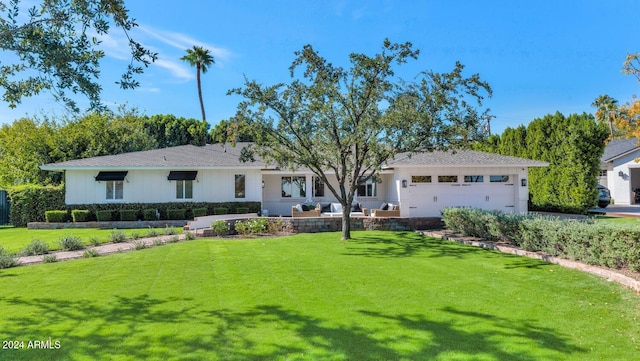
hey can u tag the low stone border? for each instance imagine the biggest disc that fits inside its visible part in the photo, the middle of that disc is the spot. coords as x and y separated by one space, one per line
606 273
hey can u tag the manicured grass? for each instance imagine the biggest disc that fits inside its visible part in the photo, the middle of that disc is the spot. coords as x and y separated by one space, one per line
381 296
15 239
627 221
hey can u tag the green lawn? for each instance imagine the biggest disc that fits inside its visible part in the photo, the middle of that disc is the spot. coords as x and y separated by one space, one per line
631 221
14 239
381 296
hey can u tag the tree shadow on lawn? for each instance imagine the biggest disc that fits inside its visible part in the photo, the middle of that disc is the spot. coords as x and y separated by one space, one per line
409 244
180 328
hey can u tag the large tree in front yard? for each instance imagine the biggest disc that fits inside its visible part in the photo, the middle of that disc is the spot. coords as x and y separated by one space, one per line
349 122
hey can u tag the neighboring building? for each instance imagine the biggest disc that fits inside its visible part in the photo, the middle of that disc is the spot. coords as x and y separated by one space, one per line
619 171
422 184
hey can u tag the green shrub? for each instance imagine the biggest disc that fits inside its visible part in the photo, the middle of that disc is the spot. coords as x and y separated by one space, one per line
71 243
149 214
129 215
135 235
138 245
251 226
613 246
242 210
117 236
7 259
94 241
176 214
173 239
104 215
220 227
169 231
29 202
49 258
200 212
152 233
80 215
274 226
35 247
220 210
189 236
56 216
89 253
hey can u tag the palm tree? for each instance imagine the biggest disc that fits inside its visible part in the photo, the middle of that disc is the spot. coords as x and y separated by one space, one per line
201 58
607 109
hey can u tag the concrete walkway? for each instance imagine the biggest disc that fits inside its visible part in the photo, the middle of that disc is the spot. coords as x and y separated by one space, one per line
102 249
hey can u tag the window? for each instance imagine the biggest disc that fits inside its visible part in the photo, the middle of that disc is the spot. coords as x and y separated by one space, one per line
115 189
447 179
294 187
603 172
367 187
240 187
498 178
184 189
318 187
474 179
420 179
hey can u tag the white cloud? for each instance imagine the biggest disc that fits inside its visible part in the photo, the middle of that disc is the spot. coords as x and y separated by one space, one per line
177 69
183 42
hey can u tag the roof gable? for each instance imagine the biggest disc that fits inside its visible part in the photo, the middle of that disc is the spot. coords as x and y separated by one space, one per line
618 148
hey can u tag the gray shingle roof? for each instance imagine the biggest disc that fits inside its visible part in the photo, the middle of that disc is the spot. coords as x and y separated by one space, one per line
462 158
619 147
219 156
184 156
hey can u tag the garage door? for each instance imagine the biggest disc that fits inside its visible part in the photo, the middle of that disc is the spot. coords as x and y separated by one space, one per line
426 199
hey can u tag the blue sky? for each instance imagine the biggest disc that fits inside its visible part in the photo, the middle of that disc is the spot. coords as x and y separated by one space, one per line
538 56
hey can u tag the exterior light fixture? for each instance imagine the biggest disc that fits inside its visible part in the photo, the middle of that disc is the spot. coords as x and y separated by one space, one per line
404 183
621 174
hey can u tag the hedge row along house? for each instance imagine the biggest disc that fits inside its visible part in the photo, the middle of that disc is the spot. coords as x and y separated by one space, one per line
421 184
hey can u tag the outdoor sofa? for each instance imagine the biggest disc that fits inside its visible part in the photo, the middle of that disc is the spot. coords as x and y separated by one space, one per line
386 210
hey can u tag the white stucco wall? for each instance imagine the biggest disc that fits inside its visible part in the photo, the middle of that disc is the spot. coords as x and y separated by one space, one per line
152 186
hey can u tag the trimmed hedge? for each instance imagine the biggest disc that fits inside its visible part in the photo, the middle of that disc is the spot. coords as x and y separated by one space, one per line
56 216
177 214
149 214
80 215
220 210
29 202
105 216
129 214
614 246
200 212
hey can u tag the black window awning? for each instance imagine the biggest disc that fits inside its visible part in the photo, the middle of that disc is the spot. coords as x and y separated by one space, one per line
111 176
182 175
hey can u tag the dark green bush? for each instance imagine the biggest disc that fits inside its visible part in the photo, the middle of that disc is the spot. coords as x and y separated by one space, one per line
149 214
80 215
129 214
242 210
200 212
104 216
71 243
35 247
56 216
176 214
29 202
220 210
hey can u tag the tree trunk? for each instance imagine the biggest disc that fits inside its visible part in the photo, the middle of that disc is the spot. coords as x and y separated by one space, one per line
346 224
204 118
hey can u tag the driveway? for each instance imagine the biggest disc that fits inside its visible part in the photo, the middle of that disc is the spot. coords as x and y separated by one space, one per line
616 210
